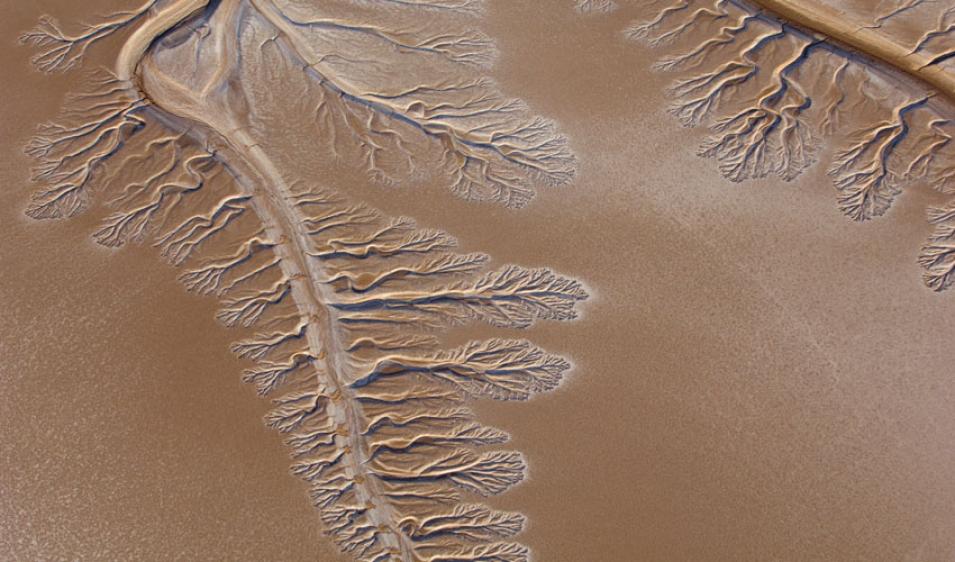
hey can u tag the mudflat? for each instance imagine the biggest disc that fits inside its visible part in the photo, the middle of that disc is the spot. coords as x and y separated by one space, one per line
750 375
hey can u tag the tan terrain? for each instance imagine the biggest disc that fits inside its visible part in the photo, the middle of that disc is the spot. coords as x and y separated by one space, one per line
753 375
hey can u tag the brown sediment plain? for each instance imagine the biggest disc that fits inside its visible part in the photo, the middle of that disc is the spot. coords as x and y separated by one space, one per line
754 379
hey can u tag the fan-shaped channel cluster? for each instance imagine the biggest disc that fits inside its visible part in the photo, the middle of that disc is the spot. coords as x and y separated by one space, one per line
399 90
769 92
375 413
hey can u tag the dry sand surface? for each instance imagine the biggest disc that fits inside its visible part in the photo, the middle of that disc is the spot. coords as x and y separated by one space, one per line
755 376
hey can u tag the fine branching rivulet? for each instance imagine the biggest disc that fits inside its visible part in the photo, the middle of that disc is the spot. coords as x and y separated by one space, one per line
344 302
770 85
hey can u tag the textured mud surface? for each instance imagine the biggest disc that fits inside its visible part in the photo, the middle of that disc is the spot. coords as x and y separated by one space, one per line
754 377
869 94
346 301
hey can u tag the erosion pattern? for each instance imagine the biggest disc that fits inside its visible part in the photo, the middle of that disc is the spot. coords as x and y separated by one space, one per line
341 303
772 78
596 6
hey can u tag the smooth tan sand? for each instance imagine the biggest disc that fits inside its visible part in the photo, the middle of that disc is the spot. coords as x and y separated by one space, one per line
756 377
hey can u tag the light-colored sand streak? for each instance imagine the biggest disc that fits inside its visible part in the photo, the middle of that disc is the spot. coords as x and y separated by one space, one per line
153 27
283 222
835 26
